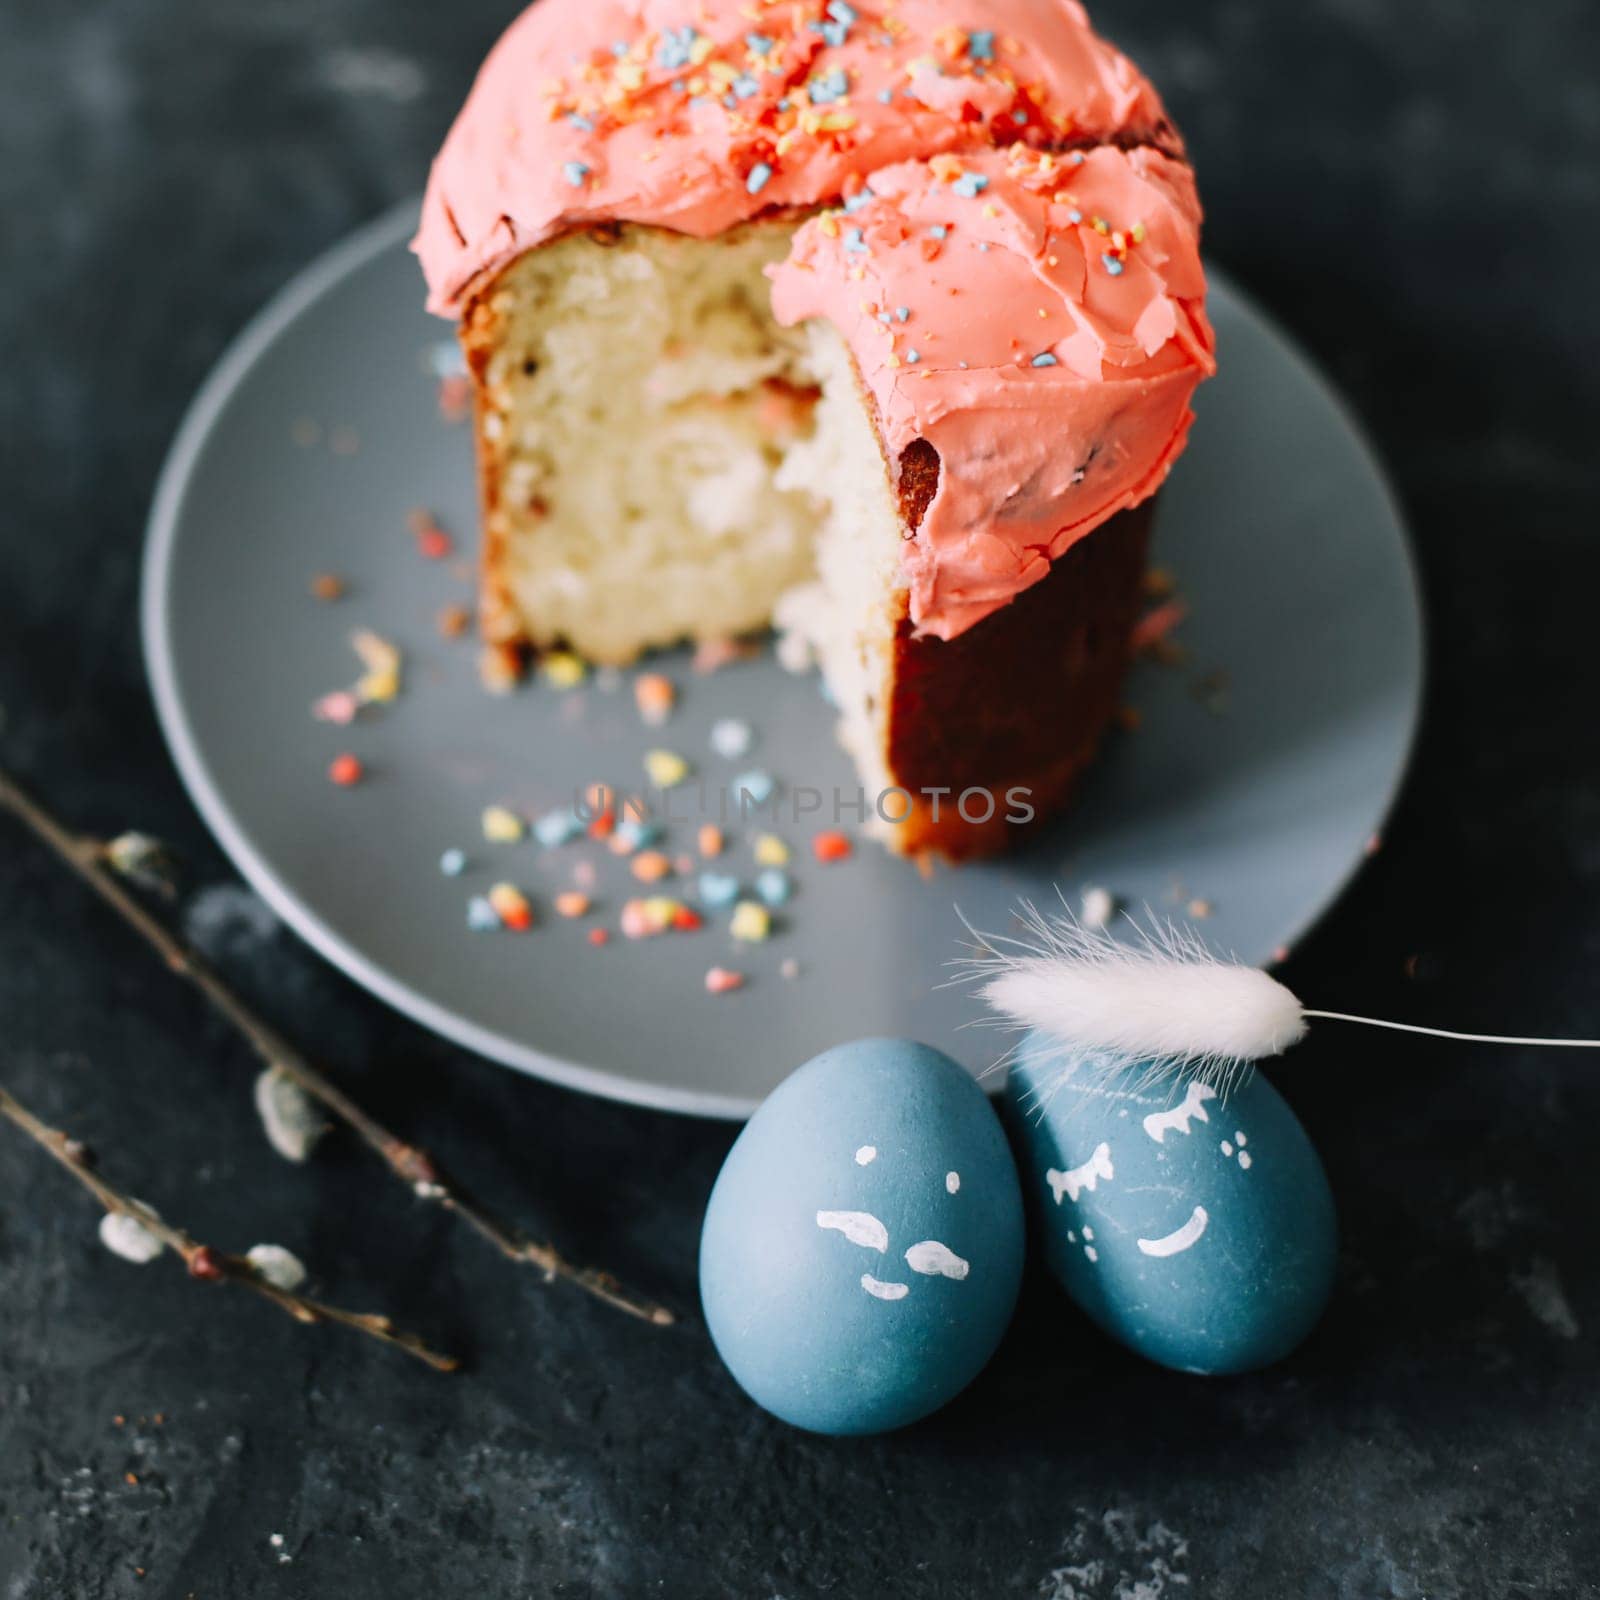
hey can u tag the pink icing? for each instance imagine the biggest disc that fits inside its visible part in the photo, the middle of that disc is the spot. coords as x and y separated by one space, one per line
695 115
946 331
553 92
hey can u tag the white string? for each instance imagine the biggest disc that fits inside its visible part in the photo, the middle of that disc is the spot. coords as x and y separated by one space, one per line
1445 1033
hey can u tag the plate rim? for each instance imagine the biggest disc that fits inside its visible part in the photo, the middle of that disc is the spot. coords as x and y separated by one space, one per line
302 290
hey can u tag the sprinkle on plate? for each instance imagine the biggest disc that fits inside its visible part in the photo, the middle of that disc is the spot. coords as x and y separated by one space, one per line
771 851
655 697
561 669
433 543
731 738
650 866
501 826
831 846
752 922
665 768
511 906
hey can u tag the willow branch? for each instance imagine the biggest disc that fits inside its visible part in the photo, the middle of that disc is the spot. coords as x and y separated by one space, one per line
86 855
203 1261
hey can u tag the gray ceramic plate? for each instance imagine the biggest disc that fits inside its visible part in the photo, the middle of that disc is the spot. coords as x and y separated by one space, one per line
1261 767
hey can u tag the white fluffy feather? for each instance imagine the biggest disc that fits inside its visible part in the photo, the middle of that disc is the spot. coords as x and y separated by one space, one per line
1166 1002
1159 1006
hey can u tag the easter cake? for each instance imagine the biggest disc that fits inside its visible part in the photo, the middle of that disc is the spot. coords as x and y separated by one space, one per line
876 322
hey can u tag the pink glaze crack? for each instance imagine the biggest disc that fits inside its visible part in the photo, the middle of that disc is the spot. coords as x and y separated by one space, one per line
920 115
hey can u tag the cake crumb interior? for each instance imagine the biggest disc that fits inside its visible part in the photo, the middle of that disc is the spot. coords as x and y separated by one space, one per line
674 465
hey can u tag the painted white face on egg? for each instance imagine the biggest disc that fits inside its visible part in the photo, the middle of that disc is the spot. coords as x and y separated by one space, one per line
1101 1168
929 1257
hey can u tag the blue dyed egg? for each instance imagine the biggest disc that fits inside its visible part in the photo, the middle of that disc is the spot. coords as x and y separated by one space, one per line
1198 1230
864 1242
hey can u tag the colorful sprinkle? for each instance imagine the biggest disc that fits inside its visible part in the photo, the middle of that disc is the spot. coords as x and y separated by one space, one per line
731 738
433 543
655 697
599 936
650 866
563 670
677 47
719 980
771 851
970 185
831 86
665 768
455 398
481 916
327 586
831 846
774 886
718 890
790 968
710 840
634 833
345 770
557 828
760 176
757 785
751 922
759 44
381 681
572 903
980 46
453 863
1044 359
340 706
511 906
1112 265
643 919
501 826
574 172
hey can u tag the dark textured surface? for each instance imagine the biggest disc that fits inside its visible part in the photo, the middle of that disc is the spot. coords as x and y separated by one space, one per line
1413 189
